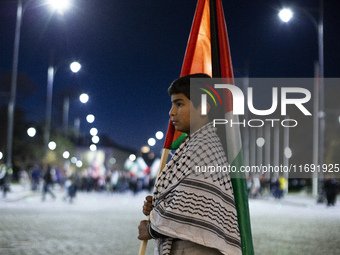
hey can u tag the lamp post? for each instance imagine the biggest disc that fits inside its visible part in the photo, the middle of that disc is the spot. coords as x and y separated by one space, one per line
318 136
51 72
11 104
66 107
287 153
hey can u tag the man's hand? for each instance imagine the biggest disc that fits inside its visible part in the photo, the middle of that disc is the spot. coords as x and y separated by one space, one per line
143 230
147 207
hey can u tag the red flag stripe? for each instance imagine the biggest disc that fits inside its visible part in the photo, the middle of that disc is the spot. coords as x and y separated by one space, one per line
197 57
226 63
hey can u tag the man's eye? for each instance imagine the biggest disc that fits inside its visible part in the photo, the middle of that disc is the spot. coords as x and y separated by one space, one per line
179 104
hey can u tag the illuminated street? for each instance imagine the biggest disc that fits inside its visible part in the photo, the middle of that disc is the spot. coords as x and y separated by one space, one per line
98 98
93 224
99 223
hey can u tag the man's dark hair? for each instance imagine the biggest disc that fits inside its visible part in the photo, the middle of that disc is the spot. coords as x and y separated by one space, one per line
193 92
182 85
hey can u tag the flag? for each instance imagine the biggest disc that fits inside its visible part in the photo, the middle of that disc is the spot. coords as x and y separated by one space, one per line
197 59
173 137
208 52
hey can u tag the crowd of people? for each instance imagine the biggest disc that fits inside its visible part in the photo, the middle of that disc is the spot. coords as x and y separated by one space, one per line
259 186
135 177
276 187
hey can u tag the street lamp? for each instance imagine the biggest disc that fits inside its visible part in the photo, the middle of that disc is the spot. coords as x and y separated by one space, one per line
318 137
285 15
75 67
51 72
260 141
59 5
93 147
79 163
152 141
159 135
66 154
66 107
90 118
52 145
95 139
145 149
11 104
93 131
74 160
84 98
288 152
31 132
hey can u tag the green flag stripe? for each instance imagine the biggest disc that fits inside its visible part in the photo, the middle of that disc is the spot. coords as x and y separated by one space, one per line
175 144
241 200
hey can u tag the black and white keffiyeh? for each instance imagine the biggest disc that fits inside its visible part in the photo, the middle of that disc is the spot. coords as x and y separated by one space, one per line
193 205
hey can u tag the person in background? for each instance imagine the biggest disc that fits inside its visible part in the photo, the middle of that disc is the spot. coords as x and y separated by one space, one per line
48 182
35 177
4 182
331 186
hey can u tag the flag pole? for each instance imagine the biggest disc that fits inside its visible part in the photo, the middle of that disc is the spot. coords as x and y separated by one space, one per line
164 157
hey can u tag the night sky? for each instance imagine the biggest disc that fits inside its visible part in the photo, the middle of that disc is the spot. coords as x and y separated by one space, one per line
132 50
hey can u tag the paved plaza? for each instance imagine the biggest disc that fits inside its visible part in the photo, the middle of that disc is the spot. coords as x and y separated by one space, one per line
101 223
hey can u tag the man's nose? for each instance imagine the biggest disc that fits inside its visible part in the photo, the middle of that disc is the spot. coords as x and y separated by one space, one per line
172 112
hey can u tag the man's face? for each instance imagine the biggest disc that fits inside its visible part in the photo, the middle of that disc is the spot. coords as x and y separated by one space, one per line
180 114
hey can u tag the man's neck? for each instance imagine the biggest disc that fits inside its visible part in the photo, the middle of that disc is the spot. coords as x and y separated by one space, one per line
197 127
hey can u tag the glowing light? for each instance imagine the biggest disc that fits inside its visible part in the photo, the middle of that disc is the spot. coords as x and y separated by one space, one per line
59 4
75 67
132 157
74 160
31 132
260 141
159 135
95 139
152 141
84 98
93 147
52 145
285 15
66 155
1 155
112 161
93 131
145 149
288 152
90 118
79 163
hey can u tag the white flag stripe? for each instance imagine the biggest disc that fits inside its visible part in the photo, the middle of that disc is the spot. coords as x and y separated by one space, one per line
234 143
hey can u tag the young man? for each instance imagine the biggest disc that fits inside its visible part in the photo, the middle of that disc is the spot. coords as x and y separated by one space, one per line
192 211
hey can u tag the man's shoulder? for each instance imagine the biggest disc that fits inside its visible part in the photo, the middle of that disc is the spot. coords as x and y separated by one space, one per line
205 136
